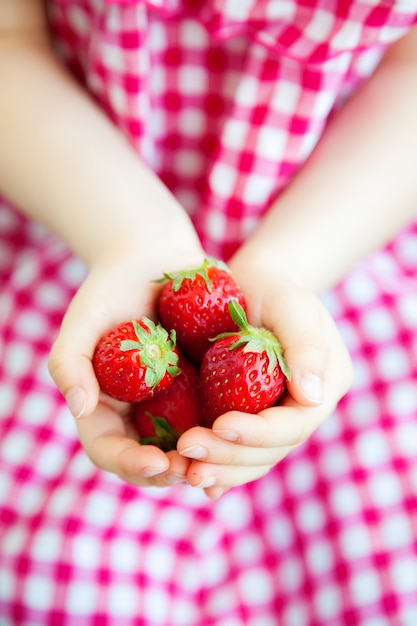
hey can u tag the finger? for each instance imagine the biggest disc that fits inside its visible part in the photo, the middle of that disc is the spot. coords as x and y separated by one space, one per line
103 436
278 427
90 314
214 493
204 445
70 358
176 473
74 377
300 322
214 477
319 362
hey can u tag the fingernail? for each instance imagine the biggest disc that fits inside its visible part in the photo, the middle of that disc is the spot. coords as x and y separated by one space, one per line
195 452
207 482
149 472
312 387
229 435
76 399
175 479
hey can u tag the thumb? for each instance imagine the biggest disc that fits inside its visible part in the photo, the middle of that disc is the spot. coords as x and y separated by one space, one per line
70 361
302 325
307 363
108 294
75 379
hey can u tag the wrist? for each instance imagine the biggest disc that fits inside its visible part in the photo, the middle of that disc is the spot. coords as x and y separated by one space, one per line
158 236
140 258
262 260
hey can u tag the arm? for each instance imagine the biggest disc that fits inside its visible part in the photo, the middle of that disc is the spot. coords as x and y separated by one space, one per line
59 154
65 164
358 188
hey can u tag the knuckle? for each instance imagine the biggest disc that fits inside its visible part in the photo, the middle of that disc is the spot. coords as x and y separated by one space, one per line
55 368
301 434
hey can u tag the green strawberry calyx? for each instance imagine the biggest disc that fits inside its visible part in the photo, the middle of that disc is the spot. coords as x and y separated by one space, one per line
255 339
165 436
192 272
156 350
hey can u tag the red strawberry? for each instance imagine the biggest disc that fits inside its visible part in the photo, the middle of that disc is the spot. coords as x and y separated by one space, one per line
163 418
135 360
243 371
194 303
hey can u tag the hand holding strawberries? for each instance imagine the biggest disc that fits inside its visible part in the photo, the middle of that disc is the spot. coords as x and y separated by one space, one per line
195 306
242 447
119 286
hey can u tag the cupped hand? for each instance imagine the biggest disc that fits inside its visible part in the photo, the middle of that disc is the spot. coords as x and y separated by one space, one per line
110 439
242 447
118 287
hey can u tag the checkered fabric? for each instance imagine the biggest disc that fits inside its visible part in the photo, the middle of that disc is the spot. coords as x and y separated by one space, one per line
225 100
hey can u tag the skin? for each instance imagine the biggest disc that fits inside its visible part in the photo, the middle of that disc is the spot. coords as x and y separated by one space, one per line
310 238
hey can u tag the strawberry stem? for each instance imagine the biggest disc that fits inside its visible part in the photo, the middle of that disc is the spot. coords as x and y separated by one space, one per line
165 436
238 315
191 273
156 350
254 339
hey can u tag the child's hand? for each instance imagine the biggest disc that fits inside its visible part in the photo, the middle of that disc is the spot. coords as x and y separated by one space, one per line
119 287
242 447
111 441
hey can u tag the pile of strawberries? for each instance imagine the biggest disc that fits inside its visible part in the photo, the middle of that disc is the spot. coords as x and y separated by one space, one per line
199 361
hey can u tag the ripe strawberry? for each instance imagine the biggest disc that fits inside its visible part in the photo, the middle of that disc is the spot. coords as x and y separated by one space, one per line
163 418
194 303
243 371
135 360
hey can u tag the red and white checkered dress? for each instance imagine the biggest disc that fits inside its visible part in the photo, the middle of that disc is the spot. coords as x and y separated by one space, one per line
224 99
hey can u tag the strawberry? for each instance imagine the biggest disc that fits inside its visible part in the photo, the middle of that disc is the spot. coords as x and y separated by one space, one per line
194 302
243 371
135 360
163 418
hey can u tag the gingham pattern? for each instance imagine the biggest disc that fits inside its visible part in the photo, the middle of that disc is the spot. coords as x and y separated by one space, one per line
227 100
329 537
